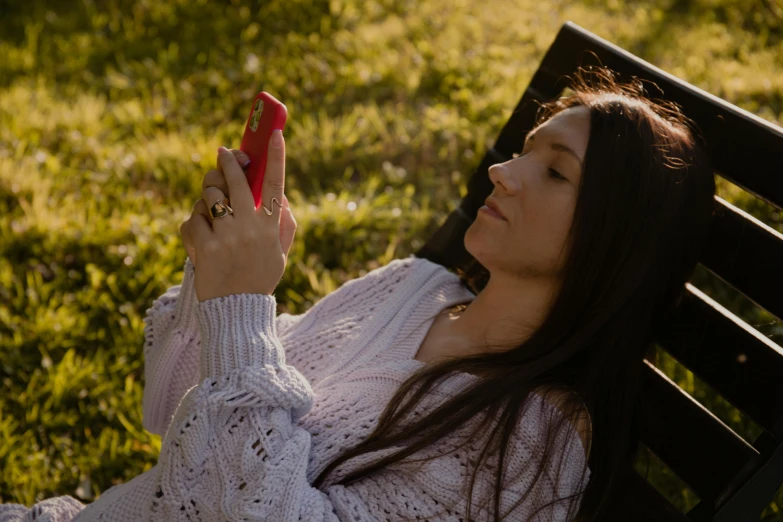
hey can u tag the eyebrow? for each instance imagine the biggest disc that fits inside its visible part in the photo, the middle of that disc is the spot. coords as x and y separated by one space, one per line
557 146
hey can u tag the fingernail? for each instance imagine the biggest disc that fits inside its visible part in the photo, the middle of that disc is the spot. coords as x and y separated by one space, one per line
243 158
277 138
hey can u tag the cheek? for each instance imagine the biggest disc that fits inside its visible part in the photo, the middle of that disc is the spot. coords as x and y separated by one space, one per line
543 226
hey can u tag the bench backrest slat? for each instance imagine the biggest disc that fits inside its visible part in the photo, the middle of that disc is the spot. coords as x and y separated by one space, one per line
747 254
685 434
729 355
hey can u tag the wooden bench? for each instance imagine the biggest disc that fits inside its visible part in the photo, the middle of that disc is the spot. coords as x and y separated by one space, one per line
734 479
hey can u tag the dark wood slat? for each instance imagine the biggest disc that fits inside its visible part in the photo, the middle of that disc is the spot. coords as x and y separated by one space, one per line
639 501
522 119
740 144
755 489
743 147
744 252
689 438
730 356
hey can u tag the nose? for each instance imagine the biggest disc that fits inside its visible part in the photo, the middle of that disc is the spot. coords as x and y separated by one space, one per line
499 175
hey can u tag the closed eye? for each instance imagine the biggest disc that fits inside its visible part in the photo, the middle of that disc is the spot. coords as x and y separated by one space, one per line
556 175
552 172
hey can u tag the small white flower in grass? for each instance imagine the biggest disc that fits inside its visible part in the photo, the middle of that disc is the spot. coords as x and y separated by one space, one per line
128 160
85 489
252 63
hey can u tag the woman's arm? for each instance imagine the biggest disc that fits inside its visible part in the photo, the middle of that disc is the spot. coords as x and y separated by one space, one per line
172 344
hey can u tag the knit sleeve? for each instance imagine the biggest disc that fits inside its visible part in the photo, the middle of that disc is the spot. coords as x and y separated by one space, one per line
232 451
55 509
171 350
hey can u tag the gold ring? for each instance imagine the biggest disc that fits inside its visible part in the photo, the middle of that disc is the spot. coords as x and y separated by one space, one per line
220 209
269 212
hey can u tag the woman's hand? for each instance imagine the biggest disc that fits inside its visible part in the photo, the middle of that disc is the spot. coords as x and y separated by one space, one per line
242 251
215 178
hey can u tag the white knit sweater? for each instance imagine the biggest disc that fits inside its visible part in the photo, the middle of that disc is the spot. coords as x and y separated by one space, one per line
253 407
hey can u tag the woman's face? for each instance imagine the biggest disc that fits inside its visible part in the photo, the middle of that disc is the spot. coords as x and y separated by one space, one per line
537 202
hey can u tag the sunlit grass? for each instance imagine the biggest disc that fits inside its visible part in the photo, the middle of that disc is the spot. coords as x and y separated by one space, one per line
110 117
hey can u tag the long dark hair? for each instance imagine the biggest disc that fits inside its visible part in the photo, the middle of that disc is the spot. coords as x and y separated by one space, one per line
643 212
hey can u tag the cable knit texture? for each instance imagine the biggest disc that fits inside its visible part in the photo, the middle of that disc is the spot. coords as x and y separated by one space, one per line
253 406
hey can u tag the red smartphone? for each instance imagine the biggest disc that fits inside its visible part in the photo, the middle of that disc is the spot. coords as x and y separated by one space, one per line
266 115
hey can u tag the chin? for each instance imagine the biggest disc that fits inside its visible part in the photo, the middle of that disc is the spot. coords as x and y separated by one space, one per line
476 245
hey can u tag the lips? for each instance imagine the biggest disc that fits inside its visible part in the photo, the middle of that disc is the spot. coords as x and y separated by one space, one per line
494 206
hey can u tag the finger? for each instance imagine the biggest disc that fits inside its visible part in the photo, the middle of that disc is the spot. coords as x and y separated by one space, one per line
200 208
274 178
242 158
238 188
200 227
215 178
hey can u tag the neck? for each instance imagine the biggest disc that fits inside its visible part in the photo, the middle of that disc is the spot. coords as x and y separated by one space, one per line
503 314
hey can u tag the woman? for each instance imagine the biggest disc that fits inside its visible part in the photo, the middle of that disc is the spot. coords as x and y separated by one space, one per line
521 407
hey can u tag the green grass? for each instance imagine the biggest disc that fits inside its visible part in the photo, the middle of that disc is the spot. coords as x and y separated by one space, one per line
110 115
